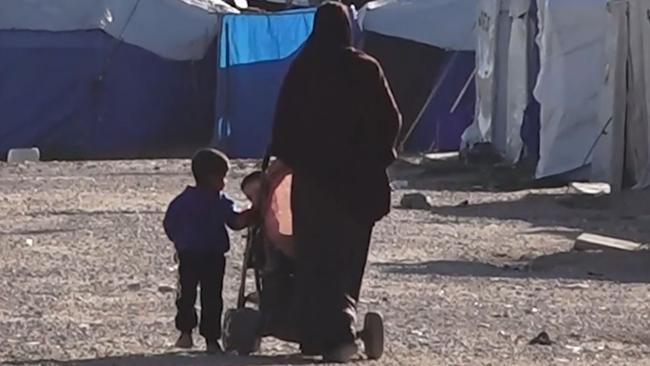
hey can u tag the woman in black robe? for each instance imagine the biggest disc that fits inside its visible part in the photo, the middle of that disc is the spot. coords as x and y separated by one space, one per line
335 128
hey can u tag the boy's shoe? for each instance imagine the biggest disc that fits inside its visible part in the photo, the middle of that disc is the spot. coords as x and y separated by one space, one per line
185 341
213 347
341 354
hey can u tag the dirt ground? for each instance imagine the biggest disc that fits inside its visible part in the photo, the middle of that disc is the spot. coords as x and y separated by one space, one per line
469 282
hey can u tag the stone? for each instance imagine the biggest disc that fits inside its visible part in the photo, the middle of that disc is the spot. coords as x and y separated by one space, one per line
165 289
542 339
415 201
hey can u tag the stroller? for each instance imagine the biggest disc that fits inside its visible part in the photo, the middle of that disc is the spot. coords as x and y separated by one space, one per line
267 312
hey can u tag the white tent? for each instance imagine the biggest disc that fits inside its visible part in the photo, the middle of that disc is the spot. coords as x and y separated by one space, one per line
501 78
174 29
622 155
505 32
571 40
572 72
447 24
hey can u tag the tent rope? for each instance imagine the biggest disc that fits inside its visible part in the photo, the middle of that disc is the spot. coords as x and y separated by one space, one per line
603 132
118 43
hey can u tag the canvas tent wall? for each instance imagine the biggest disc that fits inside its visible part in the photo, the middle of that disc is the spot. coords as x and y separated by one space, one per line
107 78
506 72
566 71
573 64
425 48
622 154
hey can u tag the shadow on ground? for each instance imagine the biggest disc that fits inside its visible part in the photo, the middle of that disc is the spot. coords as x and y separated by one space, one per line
617 266
173 359
624 216
449 173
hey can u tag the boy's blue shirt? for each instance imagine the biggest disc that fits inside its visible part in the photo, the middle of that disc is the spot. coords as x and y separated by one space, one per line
196 221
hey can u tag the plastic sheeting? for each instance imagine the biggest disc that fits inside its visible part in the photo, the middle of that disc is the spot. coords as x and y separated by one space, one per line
174 29
253 38
572 55
256 52
621 157
447 24
78 95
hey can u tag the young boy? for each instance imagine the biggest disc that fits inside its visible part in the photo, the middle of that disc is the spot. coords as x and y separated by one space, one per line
196 223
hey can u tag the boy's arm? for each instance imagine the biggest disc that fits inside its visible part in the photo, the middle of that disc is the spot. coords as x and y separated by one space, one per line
241 220
237 220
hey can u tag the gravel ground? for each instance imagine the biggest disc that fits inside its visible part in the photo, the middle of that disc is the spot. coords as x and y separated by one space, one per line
469 282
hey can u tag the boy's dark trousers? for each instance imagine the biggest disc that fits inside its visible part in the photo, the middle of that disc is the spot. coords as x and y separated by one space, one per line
205 270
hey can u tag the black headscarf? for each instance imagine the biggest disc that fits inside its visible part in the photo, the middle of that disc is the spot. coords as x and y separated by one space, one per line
331 32
331 26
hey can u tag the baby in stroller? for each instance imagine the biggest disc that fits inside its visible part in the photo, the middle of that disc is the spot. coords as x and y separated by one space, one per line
272 194
270 254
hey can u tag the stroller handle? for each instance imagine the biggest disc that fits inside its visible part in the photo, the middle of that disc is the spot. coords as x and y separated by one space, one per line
267 160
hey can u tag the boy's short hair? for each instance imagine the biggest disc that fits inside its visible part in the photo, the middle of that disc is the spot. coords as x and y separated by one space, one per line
207 163
252 177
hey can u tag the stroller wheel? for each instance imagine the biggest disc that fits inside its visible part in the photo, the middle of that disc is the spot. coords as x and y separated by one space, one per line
372 335
241 331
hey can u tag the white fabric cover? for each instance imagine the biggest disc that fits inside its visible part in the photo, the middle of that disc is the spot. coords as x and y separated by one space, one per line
447 24
517 79
608 156
174 29
638 138
572 60
625 115
492 53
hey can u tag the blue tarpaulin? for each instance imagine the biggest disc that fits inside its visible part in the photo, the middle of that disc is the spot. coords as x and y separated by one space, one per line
256 51
85 95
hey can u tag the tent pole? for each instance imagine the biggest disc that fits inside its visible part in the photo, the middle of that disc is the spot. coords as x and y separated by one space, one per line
463 91
457 102
434 91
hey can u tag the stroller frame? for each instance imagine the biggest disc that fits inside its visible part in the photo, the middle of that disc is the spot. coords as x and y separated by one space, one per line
244 326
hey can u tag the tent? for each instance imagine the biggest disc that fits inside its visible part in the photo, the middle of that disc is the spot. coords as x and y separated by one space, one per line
556 124
256 51
449 108
506 73
572 57
426 48
108 78
622 153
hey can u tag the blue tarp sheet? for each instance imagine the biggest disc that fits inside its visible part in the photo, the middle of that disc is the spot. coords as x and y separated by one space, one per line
450 109
256 51
83 95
